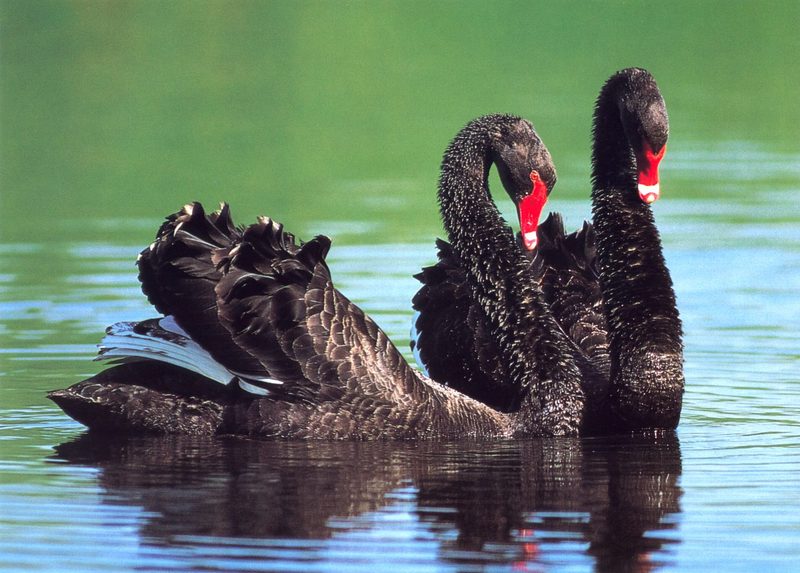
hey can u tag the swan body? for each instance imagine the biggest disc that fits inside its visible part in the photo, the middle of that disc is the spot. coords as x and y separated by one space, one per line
255 338
606 286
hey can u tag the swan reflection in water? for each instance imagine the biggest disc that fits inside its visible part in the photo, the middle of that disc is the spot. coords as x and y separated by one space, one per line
614 500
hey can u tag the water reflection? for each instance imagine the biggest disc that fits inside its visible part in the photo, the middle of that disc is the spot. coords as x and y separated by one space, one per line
613 502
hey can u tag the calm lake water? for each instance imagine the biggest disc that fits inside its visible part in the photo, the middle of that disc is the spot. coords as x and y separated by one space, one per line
332 117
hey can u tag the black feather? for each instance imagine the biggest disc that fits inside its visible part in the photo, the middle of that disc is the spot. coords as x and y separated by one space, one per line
606 285
178 275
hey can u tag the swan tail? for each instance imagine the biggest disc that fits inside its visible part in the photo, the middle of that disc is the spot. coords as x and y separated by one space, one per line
160 381
145 397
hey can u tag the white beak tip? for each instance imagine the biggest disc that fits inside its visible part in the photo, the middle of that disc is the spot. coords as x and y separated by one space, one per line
649 193
530 240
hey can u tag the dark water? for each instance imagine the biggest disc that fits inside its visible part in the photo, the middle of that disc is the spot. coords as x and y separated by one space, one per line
332 118
231 503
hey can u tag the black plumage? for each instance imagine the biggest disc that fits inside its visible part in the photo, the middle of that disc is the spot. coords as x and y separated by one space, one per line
644 329
178 278
297 358
607 285
515 348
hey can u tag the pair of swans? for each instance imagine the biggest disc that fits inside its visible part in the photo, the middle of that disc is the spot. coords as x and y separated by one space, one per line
553 335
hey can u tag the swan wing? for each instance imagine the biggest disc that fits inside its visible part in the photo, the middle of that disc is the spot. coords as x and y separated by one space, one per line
449 336
278 301
178 276
450 339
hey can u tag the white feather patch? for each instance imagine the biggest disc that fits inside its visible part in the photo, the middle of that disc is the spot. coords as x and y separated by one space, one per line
171 344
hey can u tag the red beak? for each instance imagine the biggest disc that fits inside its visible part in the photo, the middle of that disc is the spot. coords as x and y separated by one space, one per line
647 164
530 210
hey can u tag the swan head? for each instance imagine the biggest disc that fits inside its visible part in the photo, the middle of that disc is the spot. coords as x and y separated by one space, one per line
646 124
527 173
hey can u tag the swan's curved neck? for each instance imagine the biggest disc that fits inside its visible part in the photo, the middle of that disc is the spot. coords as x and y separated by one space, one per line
536 352
470 216
613 161
643 324
476 229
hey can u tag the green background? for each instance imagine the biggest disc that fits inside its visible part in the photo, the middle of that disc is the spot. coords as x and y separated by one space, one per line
330 110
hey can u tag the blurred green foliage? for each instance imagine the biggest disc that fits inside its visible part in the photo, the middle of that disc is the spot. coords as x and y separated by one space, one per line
312 110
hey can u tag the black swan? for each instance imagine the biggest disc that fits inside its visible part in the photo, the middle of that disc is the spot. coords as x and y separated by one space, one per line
607 284
256 339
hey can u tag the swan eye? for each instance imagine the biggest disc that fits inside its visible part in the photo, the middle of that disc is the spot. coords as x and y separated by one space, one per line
535 177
